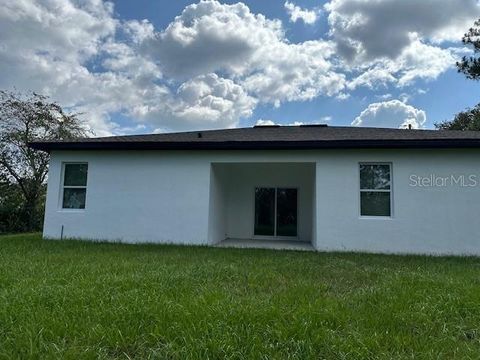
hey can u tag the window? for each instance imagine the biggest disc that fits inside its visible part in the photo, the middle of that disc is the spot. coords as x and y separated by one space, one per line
74 190
375 190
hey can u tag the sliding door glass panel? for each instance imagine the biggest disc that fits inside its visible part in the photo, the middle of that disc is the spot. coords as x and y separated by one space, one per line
286 212
264 211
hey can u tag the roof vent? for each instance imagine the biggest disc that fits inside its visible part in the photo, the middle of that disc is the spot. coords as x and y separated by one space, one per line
266 126
199 135
314 125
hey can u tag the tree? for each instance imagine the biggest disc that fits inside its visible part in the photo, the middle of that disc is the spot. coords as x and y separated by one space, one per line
470 66
465 120
11 208
25 118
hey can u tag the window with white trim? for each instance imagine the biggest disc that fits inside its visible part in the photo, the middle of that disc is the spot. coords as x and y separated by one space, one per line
74 185
376 189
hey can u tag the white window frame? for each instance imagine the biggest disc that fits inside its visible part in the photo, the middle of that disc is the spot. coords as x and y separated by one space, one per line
63 186
390 191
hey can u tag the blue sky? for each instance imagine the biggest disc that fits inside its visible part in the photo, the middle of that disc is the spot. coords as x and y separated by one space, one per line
455 91
143 66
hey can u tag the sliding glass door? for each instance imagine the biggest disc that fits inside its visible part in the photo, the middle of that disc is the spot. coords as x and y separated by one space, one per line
286 212
275 212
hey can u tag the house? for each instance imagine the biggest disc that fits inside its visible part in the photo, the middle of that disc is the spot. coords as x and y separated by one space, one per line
332 188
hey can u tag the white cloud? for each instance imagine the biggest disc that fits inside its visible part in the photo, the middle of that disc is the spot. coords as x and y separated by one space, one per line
206 101
373 78
404 97
417 61
214 63
44 47
393 42
342 96
208 68
371 29
295 72
384 96
421 61
210 36
49 48
263 122
393 113
296 13
252 50
139 30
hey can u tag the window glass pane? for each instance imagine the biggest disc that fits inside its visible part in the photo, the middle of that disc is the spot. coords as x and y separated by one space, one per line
375 203
286 212
76 174
74 198
374 177
264 211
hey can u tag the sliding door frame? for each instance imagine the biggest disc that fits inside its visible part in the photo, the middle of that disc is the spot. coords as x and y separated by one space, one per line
274 237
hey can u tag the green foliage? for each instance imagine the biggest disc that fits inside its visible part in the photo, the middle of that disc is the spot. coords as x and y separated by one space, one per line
13 217
470 65
79 300
465 120
25 118
10 208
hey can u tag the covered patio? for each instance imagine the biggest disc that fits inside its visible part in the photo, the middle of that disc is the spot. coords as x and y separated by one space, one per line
266 205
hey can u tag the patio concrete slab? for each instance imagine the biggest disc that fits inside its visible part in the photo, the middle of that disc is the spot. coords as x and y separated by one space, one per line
266 244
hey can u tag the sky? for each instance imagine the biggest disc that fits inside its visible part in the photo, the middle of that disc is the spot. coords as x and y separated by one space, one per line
141 66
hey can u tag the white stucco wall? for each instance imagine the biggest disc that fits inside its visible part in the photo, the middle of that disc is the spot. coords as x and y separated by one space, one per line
217 218
148 196
134 197
434 220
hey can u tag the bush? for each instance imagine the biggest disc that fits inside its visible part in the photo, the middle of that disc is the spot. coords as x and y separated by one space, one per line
13 213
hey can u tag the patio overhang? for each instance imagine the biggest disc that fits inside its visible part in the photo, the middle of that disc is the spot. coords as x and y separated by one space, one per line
262 203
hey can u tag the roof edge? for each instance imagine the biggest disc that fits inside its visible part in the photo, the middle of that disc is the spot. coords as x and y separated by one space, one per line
259 145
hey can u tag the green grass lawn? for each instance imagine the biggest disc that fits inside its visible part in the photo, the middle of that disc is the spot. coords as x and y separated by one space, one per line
70 299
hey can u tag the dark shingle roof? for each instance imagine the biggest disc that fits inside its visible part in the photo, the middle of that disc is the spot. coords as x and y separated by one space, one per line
276 137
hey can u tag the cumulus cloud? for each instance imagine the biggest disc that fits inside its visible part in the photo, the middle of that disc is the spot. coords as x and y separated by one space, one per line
206 100
253 50
422 61
264 122
208 68
372 29
214 63
417 61
396 43
139 31
294 72
393 113
296 13
373 78
261 122
47 47
210 36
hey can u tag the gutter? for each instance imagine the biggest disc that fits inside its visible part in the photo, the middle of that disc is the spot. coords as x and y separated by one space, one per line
257 145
